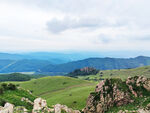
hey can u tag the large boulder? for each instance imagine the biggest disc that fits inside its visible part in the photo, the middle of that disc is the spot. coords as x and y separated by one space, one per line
8 108
39 104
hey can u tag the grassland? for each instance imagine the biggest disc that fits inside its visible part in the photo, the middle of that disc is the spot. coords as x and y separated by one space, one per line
74 92
120 73
59 89
14 97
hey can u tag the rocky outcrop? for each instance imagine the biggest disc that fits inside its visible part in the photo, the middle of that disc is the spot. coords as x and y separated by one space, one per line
40 105
8 108
115 92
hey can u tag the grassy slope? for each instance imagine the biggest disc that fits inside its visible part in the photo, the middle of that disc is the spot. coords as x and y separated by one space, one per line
14 97
64 90
122 73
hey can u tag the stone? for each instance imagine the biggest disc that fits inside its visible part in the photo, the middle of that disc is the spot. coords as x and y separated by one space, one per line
39 104
8 108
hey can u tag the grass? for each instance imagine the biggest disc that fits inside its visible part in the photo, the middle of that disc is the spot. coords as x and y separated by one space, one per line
74 92
120 73
14 97
59 89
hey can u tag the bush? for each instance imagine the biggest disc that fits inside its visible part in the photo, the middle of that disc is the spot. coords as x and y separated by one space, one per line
12 87
74 102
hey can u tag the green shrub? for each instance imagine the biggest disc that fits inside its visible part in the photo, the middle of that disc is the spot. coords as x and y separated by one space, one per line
12 87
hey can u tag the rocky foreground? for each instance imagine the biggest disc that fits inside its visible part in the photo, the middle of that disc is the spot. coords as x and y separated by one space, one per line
111 95
39 106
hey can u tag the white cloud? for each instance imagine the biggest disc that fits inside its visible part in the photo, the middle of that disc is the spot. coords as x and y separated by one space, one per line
58 25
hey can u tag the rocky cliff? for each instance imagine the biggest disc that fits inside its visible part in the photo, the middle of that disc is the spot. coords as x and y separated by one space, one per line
111 93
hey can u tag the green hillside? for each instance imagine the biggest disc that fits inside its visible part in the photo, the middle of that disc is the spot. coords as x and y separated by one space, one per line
64 90
10 93
119 73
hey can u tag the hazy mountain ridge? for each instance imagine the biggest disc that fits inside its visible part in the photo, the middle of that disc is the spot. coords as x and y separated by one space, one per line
24 65
59 63
100 63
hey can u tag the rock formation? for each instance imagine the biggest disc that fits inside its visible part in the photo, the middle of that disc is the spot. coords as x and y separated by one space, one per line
40 105
115 92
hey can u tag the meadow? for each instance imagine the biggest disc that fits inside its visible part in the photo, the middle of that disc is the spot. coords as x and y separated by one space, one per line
59 89
74 92
118 73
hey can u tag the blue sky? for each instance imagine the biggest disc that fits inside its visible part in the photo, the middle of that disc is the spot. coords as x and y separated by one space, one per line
75 25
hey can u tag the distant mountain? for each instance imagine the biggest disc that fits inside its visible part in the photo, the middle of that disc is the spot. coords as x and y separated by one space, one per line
22 65
11 56
59 58
53 57
99 63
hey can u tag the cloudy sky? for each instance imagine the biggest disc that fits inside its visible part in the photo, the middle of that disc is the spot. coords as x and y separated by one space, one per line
74 25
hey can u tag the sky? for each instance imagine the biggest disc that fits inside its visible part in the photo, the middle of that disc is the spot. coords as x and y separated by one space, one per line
75 25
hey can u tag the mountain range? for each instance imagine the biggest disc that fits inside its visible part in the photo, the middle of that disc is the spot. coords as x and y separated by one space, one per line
99 63
48 63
